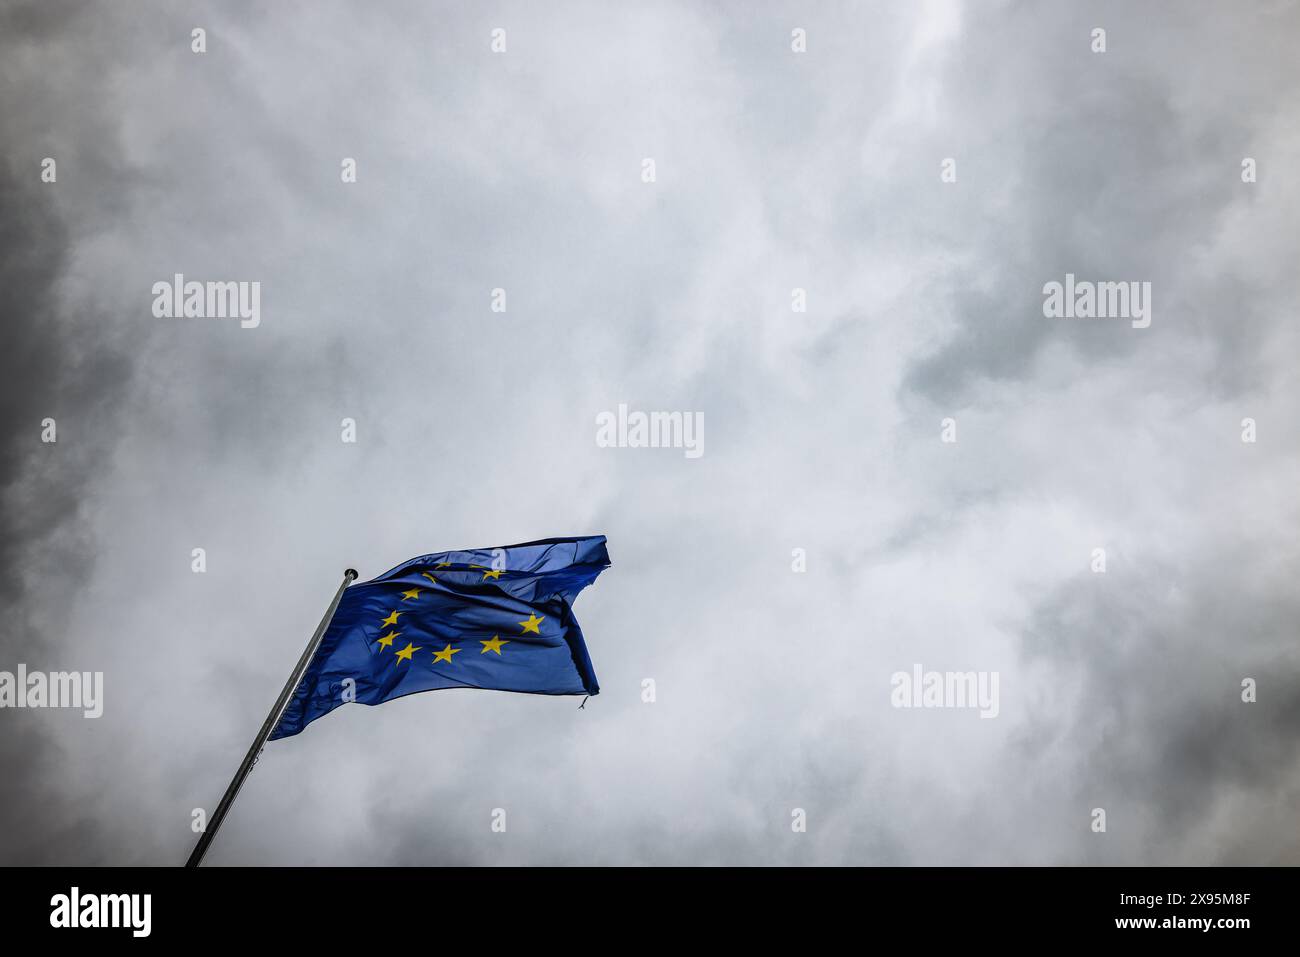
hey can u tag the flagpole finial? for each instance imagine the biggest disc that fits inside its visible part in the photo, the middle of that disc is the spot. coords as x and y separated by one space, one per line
350 574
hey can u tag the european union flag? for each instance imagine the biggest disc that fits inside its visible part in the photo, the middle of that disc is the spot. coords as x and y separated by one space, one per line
499 618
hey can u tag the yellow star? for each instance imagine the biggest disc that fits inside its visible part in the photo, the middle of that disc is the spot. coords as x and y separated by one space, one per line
392 618
531 624
475 566
387 640
430 577
408 595
493 645
446 653
492 574
443 565
406 652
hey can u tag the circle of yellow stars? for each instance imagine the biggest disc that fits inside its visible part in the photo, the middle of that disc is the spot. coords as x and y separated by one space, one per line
494 644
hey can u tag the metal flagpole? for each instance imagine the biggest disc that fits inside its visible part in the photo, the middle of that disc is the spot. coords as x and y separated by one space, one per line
268 726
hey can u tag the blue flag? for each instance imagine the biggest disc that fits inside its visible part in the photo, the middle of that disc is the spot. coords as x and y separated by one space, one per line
499 618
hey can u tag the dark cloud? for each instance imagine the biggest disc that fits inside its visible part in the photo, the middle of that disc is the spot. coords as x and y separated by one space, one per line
54 365
1157 728
1109 166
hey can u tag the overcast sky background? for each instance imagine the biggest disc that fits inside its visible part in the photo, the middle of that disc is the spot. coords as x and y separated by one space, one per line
775 170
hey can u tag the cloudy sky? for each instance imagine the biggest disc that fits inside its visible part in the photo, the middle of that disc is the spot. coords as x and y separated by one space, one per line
775 170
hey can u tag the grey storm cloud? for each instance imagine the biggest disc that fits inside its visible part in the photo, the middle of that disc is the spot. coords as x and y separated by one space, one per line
775 171
50 369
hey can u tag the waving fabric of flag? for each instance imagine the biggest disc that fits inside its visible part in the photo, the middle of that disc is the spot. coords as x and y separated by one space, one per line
498 618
